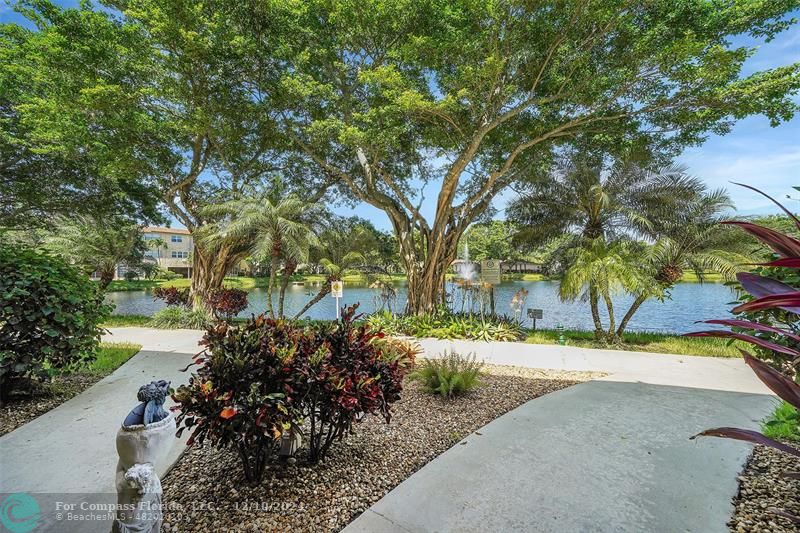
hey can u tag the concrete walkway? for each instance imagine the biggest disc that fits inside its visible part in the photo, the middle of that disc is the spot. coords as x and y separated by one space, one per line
609 455
69 454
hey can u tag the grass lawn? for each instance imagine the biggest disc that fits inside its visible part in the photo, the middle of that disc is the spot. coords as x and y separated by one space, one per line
644 342
123 321
111 357
711 277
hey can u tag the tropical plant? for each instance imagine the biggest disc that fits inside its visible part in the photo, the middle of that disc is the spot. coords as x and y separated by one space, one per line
690 236
444 324
172 296
264 378
278 228
347 379
401 352
244 393
449 374
97 245
176 317
598 270
597 213
785 343
50 316
228 302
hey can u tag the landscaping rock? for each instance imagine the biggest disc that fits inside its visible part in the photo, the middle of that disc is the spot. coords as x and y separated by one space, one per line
764 492
206 488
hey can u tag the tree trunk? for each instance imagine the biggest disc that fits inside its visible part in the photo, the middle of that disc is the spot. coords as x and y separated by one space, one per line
106 277
593 304
323 291
426 276
289 269
631 311
208 273
612 324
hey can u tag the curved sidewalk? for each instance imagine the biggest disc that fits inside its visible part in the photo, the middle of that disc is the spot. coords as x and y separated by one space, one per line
607 455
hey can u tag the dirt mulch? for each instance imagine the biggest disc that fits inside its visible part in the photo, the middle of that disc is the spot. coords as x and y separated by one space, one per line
764 493
206 490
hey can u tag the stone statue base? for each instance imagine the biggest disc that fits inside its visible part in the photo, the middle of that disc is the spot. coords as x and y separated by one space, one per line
138 486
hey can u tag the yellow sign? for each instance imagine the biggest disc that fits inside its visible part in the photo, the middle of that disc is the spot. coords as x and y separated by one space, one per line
490 271
337 288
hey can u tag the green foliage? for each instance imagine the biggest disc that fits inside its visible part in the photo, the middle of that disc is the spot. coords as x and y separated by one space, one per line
98 245
783 424
490 240
177 317
450 374
111 356
50 316
444 324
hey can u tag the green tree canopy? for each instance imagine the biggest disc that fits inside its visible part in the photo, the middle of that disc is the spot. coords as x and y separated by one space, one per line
388 95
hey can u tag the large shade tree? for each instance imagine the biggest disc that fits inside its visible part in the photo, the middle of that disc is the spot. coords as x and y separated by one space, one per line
465 97
167 91
42 177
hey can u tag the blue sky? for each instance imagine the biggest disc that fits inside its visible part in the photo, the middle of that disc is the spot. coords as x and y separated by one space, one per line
753 152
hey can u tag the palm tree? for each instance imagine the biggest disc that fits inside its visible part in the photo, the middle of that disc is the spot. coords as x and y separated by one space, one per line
97 245
690 237
275 228
599 270
587 206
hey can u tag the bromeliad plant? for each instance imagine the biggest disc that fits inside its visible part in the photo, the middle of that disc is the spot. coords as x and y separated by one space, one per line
779 346
267 377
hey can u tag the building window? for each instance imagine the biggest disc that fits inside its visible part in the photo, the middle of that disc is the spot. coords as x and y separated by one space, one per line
176 238
180 255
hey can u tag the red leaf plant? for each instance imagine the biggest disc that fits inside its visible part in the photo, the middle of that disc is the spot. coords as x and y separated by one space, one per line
259 380
768 294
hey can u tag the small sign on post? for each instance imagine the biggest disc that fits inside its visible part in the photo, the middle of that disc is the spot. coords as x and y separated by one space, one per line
490 271
533 314
337 289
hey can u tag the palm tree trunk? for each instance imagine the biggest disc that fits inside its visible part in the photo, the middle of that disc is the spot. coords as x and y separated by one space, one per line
593 303
323 291
610 336
106 277
631 311
288 270
273 268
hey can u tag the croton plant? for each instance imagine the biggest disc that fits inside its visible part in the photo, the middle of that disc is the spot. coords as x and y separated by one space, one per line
769 319
264 378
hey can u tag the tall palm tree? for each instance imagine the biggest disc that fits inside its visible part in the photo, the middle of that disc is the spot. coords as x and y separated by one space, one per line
275 228
97 245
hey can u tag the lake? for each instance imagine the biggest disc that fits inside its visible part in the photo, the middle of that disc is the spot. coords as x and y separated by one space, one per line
689 303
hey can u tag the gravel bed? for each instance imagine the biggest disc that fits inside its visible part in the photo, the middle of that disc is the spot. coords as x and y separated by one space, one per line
23 409
206 490
763 490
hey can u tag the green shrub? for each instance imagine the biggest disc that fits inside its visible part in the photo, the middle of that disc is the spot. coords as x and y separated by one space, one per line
168 275
180 318
50 317
784 424
450 374
444 324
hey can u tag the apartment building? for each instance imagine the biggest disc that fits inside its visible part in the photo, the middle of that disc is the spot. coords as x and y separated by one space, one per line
173 248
